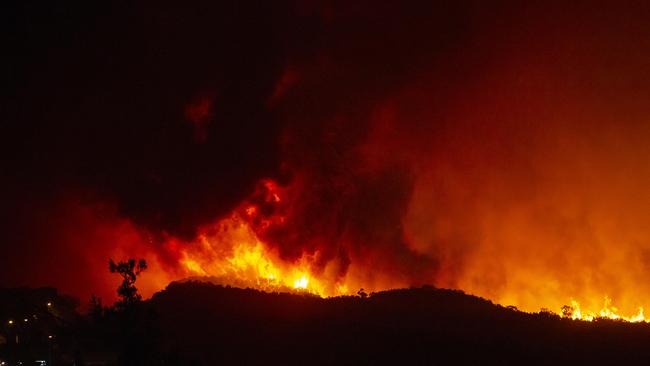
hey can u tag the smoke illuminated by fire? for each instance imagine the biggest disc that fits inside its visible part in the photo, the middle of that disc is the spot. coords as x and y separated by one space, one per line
231 252
234 255
327 147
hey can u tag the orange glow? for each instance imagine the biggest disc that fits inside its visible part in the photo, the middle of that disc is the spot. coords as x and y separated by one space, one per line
233 255
237 251
232 252
500 150
608 311
251 210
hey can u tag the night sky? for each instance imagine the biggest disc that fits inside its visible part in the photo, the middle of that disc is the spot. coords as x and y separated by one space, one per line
501 148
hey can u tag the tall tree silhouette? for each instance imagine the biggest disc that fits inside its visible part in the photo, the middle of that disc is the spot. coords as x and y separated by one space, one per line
129 270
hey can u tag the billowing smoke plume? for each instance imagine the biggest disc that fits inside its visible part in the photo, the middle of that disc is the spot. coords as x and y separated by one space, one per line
496 148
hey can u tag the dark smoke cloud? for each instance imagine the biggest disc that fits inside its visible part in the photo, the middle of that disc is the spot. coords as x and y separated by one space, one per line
104 101
340 205
173 114
100 95
99 105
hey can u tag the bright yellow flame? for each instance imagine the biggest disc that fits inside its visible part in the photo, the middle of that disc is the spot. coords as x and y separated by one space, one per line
608 311
301 282
252 258
232 254
193 266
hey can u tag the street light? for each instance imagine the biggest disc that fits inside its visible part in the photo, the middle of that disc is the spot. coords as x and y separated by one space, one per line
11 322
49 349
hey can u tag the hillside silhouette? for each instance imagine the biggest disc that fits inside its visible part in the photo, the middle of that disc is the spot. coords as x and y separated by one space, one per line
201 323
212 324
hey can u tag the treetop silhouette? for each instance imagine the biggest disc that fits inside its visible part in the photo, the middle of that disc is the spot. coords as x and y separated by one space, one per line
129 271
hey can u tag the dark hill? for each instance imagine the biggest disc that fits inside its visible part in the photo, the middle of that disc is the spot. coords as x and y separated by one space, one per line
212 325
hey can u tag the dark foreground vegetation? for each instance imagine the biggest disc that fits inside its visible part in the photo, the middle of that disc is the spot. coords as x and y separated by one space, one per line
197 323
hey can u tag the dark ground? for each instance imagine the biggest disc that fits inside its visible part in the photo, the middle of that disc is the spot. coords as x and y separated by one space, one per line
204 324
422 326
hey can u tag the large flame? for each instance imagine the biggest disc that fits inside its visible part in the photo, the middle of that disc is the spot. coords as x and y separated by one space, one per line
501 150
608 311
231 252
234 255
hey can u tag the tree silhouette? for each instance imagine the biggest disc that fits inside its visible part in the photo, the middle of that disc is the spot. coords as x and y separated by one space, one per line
362 293
567 311
129 270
